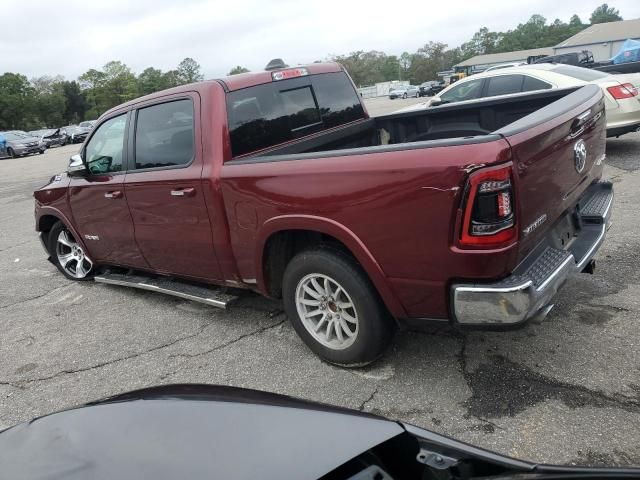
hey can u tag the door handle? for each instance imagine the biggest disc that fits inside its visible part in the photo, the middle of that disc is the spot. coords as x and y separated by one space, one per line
183 192
114 194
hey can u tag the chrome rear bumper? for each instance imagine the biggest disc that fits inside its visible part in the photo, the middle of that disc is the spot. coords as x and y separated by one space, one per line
535 282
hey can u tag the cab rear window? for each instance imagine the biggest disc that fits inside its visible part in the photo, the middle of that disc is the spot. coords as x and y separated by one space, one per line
273 113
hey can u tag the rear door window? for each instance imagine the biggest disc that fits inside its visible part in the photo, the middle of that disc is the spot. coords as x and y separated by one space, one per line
530 84
164 135
266 115
504 85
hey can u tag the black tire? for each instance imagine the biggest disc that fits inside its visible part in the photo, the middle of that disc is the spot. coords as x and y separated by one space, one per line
375 326
404 95
11 153
52 240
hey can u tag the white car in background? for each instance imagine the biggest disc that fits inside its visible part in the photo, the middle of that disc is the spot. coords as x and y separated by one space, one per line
622 102
404 91
504 65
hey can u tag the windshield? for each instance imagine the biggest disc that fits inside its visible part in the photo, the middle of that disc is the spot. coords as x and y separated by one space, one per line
14 136
326 200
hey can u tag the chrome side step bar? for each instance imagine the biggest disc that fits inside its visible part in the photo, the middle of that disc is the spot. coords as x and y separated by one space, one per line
209 296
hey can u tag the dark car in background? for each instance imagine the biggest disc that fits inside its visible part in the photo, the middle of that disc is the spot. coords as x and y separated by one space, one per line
50 136
21 143
75 133
431 88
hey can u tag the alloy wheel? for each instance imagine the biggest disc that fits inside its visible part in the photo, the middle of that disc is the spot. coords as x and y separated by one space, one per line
327 311
71 256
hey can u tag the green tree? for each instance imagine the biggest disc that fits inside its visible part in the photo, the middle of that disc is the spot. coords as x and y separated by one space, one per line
575 21
75 102
106 88
405 65
16 101
49 102
188 71
120 83
152 80
531 34
171 78
604 13
482 42
237 70
427 61
368 68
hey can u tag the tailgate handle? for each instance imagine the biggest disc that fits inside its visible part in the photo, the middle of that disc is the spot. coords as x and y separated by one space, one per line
577 126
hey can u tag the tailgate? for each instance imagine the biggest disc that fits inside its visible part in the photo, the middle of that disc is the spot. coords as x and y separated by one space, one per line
552 170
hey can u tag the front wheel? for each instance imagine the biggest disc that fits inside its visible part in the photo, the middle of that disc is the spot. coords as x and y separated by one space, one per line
68 255
404 95
335 309
11 152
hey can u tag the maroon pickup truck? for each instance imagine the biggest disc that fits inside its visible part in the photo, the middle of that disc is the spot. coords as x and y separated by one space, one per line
278 181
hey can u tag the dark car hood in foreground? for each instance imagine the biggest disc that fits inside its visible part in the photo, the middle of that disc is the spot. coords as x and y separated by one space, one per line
200 431
190 432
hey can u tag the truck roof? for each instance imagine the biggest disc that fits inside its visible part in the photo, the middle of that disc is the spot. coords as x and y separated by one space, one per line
233 82
250 79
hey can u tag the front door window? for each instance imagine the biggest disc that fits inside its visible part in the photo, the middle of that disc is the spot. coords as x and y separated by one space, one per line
103 153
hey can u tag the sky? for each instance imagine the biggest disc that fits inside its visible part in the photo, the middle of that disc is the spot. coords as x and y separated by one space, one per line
68 38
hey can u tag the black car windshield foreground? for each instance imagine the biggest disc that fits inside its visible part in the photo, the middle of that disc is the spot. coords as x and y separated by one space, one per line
216 432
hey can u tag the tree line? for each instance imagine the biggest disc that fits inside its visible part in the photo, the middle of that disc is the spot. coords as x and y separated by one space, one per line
53 101
368 68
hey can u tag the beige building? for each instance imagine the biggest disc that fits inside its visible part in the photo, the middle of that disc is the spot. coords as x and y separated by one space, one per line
603 39
480 63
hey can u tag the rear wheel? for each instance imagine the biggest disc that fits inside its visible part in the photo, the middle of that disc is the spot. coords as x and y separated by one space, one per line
11 153
404 95
335 309
68 255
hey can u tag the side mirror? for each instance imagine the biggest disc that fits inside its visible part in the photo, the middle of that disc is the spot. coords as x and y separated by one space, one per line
76 168
435 101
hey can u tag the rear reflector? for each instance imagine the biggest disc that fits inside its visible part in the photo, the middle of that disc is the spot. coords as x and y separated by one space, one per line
291 73
488 219
626 90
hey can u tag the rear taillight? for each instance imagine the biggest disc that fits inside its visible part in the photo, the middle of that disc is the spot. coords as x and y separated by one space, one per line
626 90
488 217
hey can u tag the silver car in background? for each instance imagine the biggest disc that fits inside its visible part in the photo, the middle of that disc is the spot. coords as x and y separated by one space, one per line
404 91
21 143
87 124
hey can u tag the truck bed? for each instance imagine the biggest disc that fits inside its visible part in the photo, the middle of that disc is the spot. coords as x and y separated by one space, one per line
475 122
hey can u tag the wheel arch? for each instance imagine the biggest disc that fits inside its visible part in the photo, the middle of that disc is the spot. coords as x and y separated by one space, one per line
47 218
289 234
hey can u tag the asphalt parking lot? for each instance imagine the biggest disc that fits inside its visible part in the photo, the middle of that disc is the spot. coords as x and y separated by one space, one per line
564 391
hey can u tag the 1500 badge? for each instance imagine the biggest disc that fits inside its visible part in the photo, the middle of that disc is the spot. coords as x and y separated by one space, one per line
539 221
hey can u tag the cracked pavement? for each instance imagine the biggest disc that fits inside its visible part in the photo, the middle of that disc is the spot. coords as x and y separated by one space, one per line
564 391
